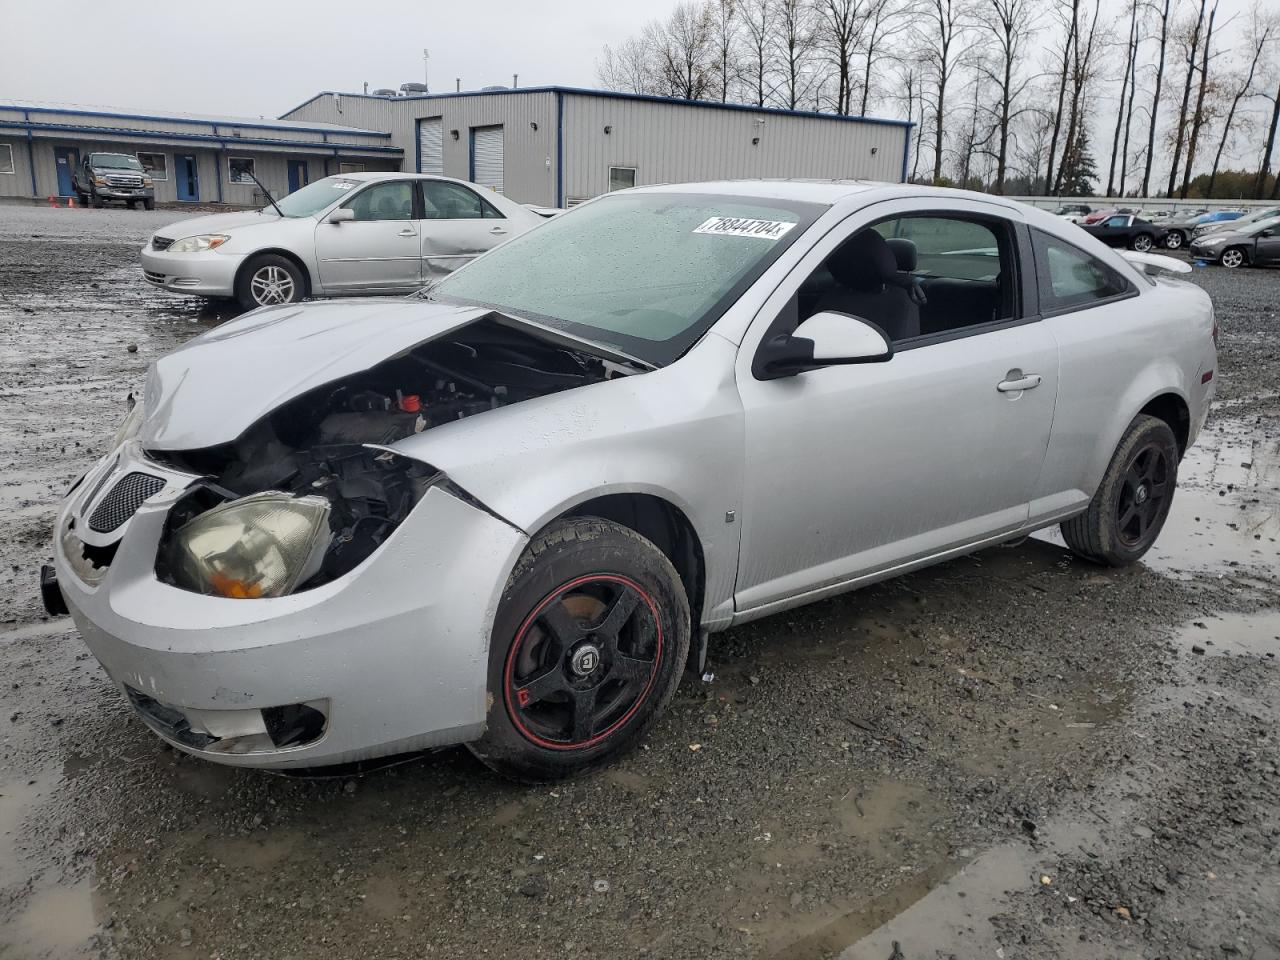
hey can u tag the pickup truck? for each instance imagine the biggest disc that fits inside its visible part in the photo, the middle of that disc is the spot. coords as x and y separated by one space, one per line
103 177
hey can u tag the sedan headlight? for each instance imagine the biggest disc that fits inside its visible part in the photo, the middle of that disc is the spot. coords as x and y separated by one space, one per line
262 545
1212 241
132 422
206 241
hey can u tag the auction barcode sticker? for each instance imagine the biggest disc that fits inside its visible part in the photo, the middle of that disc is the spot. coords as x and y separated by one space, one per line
742 227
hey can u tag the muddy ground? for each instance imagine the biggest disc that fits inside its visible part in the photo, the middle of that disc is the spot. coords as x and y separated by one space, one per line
1012 755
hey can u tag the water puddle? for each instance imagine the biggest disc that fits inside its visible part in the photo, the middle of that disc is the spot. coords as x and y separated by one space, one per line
57 923
1254 635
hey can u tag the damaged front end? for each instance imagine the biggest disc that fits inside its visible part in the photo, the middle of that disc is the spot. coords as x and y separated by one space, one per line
309 491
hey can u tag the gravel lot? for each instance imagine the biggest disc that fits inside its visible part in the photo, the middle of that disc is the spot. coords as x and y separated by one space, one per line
1011 755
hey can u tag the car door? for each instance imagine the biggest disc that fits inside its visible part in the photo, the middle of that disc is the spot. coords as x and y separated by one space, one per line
1115 230
1267 245
378 250
458 225
852 471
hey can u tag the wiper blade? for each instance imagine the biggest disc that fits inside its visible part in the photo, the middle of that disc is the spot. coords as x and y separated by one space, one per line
603 350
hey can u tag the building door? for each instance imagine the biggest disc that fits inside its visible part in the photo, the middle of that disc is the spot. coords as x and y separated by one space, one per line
186 176
297 175
486 157
67 159
431 146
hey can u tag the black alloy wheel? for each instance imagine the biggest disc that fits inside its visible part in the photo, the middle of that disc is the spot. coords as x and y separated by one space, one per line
1142 496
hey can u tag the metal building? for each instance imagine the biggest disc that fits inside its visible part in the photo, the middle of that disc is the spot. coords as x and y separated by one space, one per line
557 146
191 158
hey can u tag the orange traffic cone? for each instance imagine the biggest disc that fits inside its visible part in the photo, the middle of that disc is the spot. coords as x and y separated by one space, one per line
71 202
52 202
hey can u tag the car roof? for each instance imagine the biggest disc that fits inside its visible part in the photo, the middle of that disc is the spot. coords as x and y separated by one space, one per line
827 192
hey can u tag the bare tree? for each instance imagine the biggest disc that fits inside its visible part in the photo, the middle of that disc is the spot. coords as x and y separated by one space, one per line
884 20
683 45
944 35
839 22
1261 185
1130 72
1128 109
629 67
1190 43
724 43
796 47
1164 12
758 24
1082 50
1198 118
1263 28
1010 24
1070 13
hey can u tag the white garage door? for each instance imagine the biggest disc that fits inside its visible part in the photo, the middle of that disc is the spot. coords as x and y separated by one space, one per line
431 146
486 157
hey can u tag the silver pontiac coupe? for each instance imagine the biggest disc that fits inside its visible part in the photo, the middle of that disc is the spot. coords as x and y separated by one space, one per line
508 511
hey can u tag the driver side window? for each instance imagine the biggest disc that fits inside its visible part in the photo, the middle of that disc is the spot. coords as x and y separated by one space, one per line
918 276
383 201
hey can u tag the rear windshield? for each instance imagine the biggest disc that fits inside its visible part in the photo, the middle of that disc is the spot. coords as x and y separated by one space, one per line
645 273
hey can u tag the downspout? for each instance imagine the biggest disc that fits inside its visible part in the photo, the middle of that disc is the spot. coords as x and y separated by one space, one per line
559 149
906 148
31 154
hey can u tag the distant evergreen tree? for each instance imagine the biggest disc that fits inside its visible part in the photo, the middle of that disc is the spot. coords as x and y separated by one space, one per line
1079 171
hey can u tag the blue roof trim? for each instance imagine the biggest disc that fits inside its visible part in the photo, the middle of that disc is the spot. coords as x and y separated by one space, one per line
613 95
227 122
115 133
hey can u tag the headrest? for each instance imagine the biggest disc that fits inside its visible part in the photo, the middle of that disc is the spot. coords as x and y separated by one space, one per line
864 263
904 252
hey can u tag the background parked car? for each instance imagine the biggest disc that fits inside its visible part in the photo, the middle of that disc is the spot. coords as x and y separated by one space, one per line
1255 244
348 235
1126 230
1073 212
1223 226
1181 229
113 176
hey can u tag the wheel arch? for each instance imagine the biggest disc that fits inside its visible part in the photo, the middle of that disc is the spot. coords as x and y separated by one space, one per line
669 528
288 254
1173 410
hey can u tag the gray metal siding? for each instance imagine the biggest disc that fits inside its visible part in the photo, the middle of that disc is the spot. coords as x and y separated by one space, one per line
18 183
677 143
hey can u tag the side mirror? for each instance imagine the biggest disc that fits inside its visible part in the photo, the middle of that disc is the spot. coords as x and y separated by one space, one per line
341 215
1267 233
825 339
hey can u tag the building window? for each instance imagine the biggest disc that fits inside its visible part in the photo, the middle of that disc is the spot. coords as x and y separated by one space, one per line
620 178
155 164
6 158
240 169
351 168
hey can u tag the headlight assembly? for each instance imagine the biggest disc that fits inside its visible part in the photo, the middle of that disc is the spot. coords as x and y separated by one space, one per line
206 241
262 545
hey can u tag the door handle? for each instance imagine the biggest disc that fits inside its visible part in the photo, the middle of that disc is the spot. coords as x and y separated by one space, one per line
498 230
1018 382
407 232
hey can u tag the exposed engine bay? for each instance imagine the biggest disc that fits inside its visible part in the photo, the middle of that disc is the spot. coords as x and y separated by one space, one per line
326 442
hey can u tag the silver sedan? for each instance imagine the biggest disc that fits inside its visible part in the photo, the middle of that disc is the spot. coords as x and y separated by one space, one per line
354 234
509 512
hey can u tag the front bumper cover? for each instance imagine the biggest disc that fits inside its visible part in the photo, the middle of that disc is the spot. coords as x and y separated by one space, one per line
396 650
207 274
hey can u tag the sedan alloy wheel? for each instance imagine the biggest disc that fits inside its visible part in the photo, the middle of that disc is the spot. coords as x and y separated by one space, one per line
271 284
1233 258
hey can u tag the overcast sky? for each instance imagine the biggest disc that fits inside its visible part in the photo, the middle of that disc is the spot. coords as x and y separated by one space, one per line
262 58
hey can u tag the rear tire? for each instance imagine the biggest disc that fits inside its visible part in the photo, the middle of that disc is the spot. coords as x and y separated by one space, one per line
1130 506
269 279
1174 240
588 647
1143 242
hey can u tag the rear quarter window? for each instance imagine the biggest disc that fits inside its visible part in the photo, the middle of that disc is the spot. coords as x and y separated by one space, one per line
1069 278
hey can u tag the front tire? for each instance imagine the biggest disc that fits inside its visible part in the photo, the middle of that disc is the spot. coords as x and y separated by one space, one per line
1130 506
588 646
148 204
95 201
268 280
1174 240
1233 258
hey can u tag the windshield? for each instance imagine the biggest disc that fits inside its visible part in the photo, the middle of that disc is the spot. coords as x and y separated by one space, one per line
1254 229
645 273
114 161
314 197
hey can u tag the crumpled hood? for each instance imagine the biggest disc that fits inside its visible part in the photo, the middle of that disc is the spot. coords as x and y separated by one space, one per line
213 388
218 223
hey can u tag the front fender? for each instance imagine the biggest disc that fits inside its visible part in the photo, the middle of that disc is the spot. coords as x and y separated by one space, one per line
674 433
